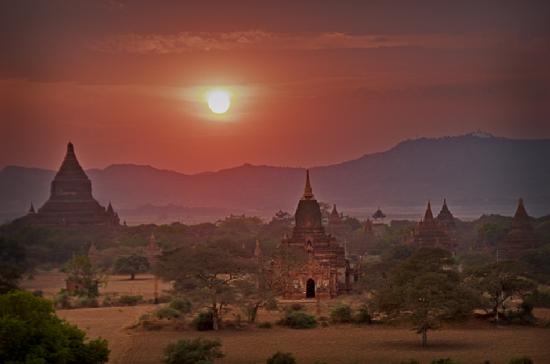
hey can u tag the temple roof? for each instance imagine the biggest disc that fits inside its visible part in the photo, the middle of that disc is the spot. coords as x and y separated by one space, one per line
70 167
521 236
308 191
428 216
445 217
378 214
428 233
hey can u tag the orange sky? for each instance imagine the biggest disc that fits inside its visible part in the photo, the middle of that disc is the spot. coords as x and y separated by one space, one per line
318 82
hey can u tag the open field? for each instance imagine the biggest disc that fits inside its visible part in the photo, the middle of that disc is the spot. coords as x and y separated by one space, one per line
51 282
474 342
344 344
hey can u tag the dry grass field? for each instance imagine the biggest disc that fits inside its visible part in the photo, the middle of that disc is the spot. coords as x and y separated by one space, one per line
342 344
51 282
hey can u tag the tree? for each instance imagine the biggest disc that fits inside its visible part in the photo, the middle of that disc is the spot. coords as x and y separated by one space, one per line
12 264
206 274
196 351
81 271
497 282
132 265
426 290
32 333
254 293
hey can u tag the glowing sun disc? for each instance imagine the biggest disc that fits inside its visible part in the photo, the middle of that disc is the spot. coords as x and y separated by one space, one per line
219 101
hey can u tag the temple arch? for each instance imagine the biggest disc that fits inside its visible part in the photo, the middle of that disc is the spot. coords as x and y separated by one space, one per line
310 288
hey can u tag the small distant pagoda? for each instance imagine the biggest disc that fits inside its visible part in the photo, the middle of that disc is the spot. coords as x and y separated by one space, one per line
71 201
521 236
378 216
428 233
336 225
152 250
445 218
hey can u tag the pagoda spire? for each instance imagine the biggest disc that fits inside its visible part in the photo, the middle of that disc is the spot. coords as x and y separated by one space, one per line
31 209
110 209
520 211
428 216
308 191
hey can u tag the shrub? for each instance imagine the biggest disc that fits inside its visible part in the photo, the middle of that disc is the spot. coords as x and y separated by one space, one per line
281 358
296 307
195 351
167 313
181 304
299 320
109 300
363 316
341 314
204 321
522 360
38 293
32 333
265 325
128 300
62 299
539 299
444 361
85 301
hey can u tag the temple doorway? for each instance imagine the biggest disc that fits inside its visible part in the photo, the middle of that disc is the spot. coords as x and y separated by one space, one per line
310 288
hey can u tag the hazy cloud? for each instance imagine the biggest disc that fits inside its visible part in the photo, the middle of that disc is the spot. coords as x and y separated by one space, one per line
261 40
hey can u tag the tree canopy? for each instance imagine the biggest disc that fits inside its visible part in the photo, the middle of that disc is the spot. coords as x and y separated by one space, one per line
32 333
132 265
425 289
12 264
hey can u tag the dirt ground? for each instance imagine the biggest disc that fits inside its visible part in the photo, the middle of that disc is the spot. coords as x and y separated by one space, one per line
342 344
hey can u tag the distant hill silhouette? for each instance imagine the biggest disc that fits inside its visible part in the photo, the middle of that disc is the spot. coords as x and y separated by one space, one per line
474 169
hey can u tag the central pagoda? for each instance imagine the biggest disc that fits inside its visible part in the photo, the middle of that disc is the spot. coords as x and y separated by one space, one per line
71 201
315 265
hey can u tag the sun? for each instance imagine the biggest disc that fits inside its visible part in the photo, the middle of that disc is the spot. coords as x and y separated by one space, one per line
219 101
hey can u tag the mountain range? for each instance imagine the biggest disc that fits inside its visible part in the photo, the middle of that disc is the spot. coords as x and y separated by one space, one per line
476 172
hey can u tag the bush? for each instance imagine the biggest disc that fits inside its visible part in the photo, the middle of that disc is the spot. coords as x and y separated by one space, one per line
444 361
204 321
62 300
296 307
128 300
281 358
85 301
195 351
299 320
539 299
341 314
363 316
181 304
167 313
38 293
522 360
32 333
265 325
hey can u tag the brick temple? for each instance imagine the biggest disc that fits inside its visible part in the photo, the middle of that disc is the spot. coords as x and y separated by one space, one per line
431 232
71 201
521 236
315 264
